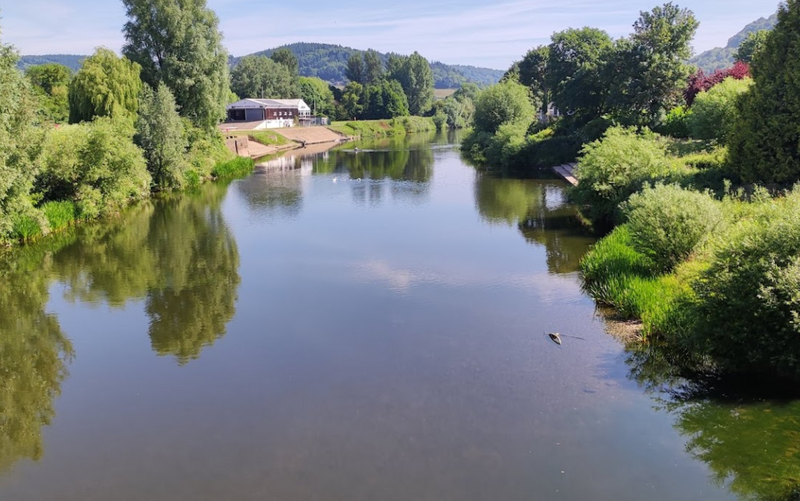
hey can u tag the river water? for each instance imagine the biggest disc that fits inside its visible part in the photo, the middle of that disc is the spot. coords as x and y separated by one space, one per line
350 325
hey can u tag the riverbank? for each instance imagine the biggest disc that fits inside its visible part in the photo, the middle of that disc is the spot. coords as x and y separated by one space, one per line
363 129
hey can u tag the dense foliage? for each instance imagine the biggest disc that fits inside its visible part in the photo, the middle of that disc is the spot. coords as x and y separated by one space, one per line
764 142
261 77
179 43
714 112
51 84
105 86
160 134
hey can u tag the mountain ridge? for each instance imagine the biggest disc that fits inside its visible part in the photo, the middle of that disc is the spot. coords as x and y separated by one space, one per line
326 61
723 57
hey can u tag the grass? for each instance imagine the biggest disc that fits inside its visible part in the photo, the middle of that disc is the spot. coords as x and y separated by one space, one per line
267 138
384 128
443 93
26 228
60 214
238 167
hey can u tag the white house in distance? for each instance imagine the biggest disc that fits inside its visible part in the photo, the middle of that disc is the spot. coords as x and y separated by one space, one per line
271 113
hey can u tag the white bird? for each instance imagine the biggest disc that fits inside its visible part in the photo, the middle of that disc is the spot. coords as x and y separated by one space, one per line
335 179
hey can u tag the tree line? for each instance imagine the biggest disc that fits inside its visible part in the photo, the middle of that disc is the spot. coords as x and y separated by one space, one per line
85 145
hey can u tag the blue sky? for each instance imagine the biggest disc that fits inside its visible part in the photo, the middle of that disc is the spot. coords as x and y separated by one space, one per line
456 32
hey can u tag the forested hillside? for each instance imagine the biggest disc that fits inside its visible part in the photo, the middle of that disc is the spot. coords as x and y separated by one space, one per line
722 57
328 62
71 61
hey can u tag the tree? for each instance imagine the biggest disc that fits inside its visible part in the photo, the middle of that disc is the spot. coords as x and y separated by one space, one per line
714 111
373 67
287 58
49 76
574 68
317 94
160 134
500 104
751 45
51 83
105 86
385 99
261 77
352 100
178 42
394 65
415 75
20 142
765 139
656 69
533 74
355 68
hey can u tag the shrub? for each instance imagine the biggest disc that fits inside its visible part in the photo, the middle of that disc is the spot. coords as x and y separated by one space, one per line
748 300
676 123
615 167
96 165
667 223
238 167
714 111
500 104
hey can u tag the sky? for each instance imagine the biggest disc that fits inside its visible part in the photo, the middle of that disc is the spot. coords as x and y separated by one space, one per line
474 32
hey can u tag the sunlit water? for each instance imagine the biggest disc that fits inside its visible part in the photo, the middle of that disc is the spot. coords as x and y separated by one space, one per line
346 326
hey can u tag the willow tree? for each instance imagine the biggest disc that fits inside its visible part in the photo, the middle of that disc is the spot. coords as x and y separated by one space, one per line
178 42
105 86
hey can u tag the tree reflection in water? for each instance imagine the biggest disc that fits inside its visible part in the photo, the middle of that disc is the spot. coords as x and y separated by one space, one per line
745 429
539 210
178 256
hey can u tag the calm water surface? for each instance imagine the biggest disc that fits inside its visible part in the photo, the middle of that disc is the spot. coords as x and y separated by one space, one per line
348 326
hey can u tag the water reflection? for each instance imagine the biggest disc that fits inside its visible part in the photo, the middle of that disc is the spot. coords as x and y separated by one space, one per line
33 354
746 431
274 191
538 208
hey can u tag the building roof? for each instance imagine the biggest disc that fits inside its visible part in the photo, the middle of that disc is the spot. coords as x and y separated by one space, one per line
269 103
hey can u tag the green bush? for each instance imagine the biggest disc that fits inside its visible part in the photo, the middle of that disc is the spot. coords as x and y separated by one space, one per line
676 123
615 167
238 167
748 299
667 223
96 165
501 104
61 214
714 111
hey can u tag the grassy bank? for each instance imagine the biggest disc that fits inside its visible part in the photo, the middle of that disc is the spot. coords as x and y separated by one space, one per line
384 128
711 271
264 137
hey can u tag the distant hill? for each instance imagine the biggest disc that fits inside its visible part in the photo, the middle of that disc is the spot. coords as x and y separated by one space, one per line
328 62
722 57
71 61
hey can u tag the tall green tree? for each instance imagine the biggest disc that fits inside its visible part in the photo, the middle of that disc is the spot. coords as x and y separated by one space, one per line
352 100
653 69
373 67
178 42
106 86
385 99
51 83
287 58
533 74
416 77
20 142
574 71
355 68
751 45
317 94
765 143
160 134
261 77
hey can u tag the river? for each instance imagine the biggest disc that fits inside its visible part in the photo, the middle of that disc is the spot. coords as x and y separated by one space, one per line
351 325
